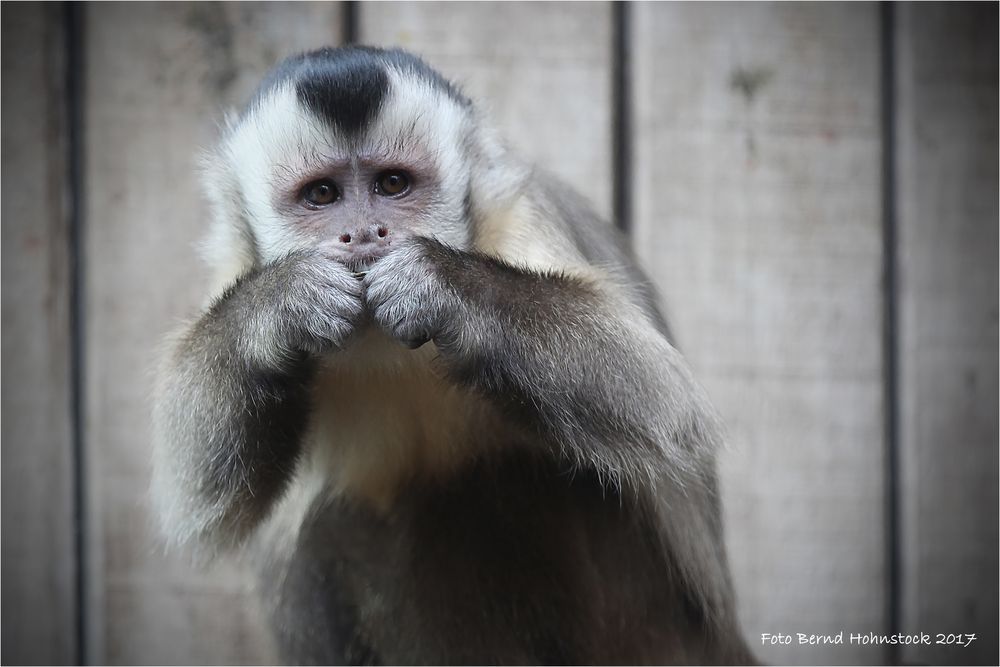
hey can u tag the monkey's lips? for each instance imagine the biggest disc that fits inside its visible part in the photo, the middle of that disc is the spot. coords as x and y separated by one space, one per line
357 260
362 263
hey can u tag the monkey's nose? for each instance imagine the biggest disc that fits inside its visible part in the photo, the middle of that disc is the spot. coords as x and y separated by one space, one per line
363 245
365 238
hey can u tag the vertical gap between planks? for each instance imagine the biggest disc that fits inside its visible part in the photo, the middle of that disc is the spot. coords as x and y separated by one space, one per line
890 324
349 30
621 130
73 23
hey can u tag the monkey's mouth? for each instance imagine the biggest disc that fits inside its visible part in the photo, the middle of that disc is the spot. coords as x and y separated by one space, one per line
361 264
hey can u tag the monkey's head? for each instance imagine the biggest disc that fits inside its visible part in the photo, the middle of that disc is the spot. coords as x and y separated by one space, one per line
349 150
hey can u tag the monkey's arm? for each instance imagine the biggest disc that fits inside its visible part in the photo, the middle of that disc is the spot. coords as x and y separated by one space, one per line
233 395
587 370
566 356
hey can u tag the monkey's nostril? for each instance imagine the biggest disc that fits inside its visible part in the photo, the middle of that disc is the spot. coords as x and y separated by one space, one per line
382 232
345 238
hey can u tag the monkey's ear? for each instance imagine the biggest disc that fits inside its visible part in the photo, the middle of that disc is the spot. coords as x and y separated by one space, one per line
497 177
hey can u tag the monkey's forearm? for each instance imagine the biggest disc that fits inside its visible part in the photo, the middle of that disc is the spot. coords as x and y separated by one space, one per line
230 429
589 373
561 354
234 397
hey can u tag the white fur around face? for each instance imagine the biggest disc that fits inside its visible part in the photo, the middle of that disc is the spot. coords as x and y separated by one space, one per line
279 143
275 144
417 113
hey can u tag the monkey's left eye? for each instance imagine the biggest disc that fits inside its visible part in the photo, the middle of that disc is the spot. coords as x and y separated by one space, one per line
320 193
391 183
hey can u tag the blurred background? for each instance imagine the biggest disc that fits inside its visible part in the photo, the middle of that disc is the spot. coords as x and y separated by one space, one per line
812 187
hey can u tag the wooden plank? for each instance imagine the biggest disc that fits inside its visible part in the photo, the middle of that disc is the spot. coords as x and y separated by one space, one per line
542 69
757 199
947 173
39 564
158 79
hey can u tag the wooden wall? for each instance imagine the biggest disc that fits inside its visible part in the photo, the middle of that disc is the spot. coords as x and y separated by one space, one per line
764 175
757 192
38 542
947 197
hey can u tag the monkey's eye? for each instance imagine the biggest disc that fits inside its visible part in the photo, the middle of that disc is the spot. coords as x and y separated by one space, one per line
320 193
391 183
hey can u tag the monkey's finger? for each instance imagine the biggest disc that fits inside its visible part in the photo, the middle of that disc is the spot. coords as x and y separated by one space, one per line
419 341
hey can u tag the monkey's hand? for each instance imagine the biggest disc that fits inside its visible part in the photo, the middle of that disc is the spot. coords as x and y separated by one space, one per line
406 293
306 302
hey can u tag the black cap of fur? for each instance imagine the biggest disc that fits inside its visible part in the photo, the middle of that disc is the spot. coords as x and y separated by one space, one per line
346 86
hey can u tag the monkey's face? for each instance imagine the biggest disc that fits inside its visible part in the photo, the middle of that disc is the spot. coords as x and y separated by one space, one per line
350 157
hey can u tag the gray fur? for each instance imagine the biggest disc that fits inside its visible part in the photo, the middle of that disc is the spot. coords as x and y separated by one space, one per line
234 398
549 491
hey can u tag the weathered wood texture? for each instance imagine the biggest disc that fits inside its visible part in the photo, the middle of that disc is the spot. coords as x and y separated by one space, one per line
542 69
159 77
757 199
39 565
757 206
947 212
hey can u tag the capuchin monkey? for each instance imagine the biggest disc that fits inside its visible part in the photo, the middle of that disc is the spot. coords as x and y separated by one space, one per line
432 395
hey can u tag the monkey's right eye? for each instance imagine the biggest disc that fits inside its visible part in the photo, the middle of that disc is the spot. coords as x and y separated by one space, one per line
320 193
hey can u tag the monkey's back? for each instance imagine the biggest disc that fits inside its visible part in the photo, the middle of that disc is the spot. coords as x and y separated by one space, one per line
514 560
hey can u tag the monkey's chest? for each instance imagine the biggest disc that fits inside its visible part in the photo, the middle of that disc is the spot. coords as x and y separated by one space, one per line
385 416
